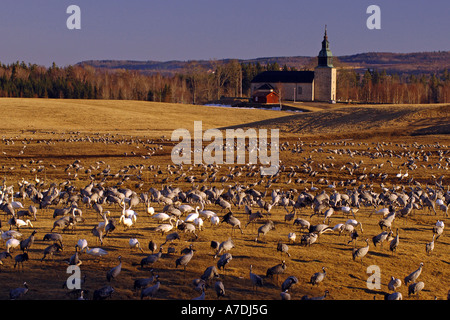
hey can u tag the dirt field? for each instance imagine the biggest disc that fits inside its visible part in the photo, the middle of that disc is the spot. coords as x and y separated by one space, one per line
346 147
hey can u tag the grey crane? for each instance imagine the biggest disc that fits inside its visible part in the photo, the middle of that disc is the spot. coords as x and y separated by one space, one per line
318 277
381 237
103 293
308 239
150 291
429 247
55 237
199 284
327 215
4 255
186 250
394 283
360 252
319 228
394 296
110 226
253 216
51 249
326 293
26 244
289 283
152 246
74 260
214 244
20 259
210 273
265 228
202 296
63 223
219 288
277 270
233 221
285 295
98 233
438 229
151 259
18 293
224 246
33 211
172 237
144 282
283 248
224 204
412 277
387 222
415 288
256 280
224 260
114 272
184 260
393 245
304 224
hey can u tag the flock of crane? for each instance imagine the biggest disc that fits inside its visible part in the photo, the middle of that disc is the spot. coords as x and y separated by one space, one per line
192 199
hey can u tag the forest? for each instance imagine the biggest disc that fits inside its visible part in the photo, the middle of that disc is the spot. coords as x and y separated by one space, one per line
198 84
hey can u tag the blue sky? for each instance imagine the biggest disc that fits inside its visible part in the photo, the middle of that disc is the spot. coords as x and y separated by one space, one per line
36 32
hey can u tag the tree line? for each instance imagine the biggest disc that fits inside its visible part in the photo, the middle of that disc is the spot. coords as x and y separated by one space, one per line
380 87
198 84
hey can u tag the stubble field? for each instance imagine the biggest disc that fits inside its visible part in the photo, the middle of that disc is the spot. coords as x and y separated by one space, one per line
71 143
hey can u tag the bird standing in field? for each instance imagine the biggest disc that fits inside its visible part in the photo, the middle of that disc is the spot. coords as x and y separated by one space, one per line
394 283
285 295
438 228
318 277
361 252
283 248
150 291
276 270
233 221
412 277
429 247
219 288
415 288
144 282
17 293
134 243
256 280
288 283
393 245
26 244
20 259
114 272
184 260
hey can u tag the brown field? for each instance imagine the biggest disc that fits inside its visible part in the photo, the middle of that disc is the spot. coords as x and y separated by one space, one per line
127 137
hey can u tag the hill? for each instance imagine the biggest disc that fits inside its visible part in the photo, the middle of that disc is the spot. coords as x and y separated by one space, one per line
410 63
362 121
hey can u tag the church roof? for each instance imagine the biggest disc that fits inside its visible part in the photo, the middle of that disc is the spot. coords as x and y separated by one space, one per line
284 77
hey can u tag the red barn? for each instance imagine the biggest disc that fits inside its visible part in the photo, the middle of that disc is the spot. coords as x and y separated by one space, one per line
265 94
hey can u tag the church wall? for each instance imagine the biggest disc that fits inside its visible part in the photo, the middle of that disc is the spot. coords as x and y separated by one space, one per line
291 91
325 84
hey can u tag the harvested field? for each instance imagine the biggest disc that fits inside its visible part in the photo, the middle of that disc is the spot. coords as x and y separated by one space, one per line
120 145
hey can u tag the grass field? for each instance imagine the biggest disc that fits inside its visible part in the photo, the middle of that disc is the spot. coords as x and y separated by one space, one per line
43 138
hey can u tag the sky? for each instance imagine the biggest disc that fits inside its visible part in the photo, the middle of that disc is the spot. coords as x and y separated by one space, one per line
163 30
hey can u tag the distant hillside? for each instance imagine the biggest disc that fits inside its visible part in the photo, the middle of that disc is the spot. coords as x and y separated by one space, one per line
410 63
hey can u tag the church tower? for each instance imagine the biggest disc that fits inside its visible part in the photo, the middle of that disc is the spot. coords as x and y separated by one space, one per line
325 74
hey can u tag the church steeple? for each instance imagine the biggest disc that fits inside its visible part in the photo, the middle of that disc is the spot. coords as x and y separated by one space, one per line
325 55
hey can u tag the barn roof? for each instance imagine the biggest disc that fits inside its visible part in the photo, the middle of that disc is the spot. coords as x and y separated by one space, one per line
284 77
